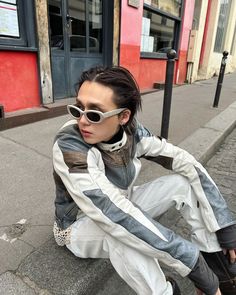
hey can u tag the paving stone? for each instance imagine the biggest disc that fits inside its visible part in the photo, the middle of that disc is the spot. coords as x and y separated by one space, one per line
219 167
56 269
224 172
10 284
12 252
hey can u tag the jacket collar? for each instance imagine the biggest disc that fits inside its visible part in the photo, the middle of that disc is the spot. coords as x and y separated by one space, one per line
113 146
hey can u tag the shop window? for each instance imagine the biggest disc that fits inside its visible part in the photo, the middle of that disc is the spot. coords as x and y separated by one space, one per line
17 23
95 26
84 26
222 25
160 27
197 14
172 7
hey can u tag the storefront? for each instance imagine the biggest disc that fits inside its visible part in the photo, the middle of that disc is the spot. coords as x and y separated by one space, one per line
45 45
214 28
80 37
156 27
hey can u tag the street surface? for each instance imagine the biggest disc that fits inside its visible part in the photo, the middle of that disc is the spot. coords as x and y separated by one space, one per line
30 261
222 168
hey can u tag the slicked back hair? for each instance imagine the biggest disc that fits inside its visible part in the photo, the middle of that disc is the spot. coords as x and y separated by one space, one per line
125 88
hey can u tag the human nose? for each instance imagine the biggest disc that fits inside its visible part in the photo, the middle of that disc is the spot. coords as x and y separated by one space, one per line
83 120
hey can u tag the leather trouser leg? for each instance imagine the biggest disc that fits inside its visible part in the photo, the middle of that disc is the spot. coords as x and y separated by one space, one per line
225 271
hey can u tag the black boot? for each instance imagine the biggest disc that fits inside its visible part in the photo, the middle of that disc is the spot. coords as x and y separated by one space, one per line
225 271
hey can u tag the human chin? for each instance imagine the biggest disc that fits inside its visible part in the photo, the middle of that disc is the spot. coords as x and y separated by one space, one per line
90 140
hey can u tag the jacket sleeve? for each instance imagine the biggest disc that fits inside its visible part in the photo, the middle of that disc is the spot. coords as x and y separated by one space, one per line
83 173
227 237
212 205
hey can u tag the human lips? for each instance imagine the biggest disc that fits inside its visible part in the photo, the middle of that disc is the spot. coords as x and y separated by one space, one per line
85 133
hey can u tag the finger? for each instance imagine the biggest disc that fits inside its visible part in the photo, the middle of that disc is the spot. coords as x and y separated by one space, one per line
199 292
224 251
232 256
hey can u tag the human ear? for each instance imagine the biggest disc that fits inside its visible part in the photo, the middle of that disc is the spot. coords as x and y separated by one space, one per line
124 116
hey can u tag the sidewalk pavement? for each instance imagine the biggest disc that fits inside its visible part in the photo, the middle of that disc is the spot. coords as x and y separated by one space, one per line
31 262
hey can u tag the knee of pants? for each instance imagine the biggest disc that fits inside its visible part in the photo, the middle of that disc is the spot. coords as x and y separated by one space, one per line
183 190
181 181
118 250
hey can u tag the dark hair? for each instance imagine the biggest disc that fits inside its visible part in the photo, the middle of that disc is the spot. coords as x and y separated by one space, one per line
121 81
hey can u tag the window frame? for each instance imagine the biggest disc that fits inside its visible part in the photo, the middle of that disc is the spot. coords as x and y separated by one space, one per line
27 40
219 48
87 37
177 30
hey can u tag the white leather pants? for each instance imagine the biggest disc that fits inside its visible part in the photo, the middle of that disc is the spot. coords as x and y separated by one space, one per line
143 273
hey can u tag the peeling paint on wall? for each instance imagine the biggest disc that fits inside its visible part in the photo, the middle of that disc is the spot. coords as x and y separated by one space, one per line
44 51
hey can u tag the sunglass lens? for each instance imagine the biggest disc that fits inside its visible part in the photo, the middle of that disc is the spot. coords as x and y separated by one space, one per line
75 113
93 117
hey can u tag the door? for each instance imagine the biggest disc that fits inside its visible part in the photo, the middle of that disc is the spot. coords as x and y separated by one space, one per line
79 39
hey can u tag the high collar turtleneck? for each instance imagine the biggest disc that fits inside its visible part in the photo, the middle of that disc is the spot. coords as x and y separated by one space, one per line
115 143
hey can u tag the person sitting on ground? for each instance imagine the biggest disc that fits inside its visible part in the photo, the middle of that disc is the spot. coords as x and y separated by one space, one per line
100 213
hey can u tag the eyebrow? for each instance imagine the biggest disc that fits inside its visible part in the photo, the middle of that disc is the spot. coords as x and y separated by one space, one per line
92 105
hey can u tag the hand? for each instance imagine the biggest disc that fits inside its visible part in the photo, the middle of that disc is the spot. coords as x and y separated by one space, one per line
200 292
231 255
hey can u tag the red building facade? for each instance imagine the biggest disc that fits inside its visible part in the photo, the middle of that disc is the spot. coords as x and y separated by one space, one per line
19 86
149 67
147 29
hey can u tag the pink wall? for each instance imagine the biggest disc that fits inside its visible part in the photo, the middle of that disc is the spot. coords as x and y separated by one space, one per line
186 24
148 71
130 37
181 64
131 23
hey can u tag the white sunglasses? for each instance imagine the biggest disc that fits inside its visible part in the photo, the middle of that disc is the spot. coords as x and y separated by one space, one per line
92 116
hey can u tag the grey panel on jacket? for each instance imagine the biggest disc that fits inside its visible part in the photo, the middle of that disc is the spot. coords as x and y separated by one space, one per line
141 132
119 166
70 139
223 215
66 209
121 176
176 246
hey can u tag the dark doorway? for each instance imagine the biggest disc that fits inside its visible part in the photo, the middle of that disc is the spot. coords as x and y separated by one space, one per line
80 37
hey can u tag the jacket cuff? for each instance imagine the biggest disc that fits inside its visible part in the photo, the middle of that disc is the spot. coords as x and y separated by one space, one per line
203 277
227 237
